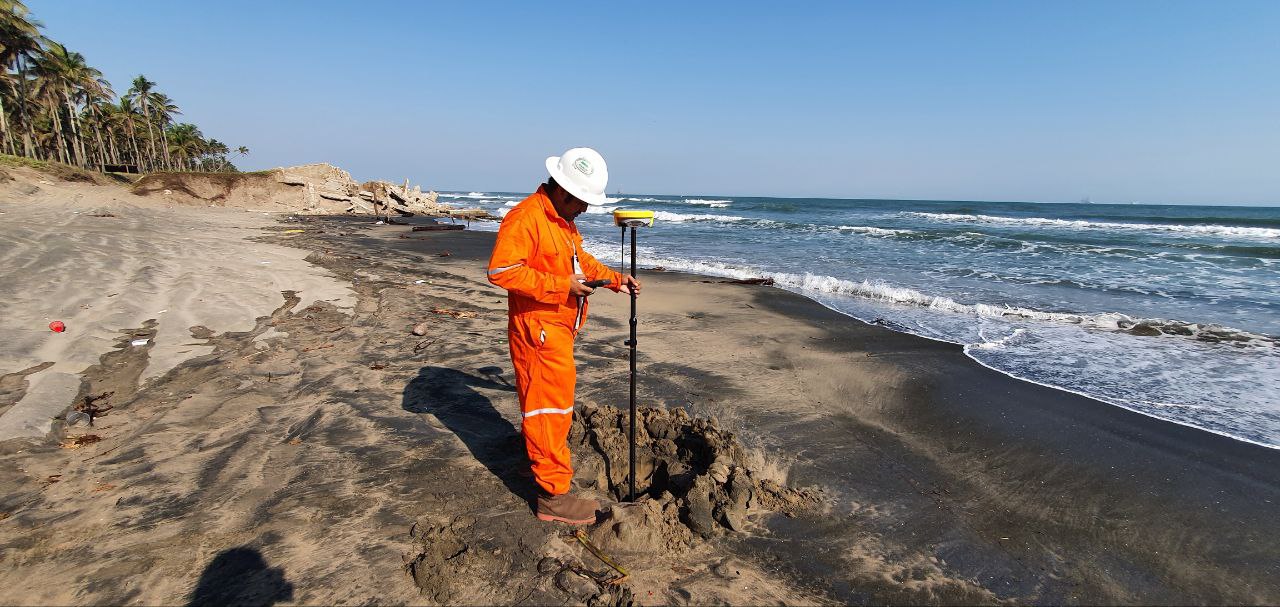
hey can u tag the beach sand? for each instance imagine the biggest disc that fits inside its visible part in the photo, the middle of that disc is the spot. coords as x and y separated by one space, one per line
116 268
316 451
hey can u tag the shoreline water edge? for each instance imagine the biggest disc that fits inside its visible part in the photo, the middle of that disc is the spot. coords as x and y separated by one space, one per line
1167 311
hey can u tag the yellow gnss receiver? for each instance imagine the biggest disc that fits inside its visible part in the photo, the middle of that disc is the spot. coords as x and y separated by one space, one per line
633 219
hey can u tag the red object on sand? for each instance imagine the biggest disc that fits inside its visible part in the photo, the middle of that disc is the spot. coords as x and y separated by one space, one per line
57 326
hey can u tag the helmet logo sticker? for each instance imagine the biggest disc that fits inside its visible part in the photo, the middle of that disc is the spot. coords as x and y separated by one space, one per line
583 166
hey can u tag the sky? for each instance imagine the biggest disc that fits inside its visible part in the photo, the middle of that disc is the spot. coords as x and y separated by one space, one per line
1132 101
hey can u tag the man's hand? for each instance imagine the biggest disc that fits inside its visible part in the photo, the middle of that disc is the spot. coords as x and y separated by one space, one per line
629 284
577 288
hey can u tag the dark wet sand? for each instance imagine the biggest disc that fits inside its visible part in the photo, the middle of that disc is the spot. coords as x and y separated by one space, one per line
304 452
1038 494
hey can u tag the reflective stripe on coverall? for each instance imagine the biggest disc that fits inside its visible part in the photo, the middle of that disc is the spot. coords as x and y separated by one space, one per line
533 258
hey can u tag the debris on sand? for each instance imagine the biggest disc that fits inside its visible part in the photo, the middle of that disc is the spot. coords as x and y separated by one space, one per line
454 313
89 406
691 478
582 538
422 345
439 227
75 442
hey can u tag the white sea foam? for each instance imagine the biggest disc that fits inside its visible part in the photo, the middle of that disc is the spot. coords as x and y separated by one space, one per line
999 342
719 204
1215 230
467 195
882 291
599 210
484 226
1192 384
683 217
874 231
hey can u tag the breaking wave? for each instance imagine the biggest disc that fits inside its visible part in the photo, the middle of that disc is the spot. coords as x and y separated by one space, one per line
1215 230
874 231
683 217
885 292
711 203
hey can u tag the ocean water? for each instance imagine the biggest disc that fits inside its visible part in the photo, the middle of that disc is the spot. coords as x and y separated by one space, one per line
1170 311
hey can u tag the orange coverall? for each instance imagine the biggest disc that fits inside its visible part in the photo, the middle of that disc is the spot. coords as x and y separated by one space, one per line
533 258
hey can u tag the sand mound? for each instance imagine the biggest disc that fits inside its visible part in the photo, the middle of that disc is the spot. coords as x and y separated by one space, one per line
236 190
693 481
28 171
315 189
691 478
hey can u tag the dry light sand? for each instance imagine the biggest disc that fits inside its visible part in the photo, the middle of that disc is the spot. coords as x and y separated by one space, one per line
300 445
113 263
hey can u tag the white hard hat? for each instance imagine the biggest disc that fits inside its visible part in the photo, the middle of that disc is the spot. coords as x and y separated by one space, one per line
581 172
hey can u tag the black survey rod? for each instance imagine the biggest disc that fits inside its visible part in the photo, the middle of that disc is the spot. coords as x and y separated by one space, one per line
633 366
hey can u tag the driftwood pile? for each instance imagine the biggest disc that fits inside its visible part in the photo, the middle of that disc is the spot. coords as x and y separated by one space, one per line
381 198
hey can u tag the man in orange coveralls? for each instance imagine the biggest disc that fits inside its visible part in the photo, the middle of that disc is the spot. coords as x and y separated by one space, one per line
538 259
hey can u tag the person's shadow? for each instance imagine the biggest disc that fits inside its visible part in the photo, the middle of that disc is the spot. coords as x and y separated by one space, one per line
450 395
240 576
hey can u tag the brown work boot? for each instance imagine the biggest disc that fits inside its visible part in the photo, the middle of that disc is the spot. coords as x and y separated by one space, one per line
567 509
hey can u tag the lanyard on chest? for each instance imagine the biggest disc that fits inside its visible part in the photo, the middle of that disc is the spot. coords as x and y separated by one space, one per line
577 269
573 249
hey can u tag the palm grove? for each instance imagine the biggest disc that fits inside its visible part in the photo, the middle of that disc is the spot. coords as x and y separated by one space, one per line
56 107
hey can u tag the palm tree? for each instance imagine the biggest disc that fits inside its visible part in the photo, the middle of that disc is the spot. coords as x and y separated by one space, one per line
139 95
66 111
18 33
162 110
96 102
20 40
186 141
215 153
72 81
99 113
7 88
47 94
89 89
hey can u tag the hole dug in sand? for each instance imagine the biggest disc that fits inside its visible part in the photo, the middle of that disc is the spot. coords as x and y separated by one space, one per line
692 482
691 478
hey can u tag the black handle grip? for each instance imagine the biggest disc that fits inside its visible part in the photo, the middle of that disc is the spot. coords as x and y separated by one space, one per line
596 284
